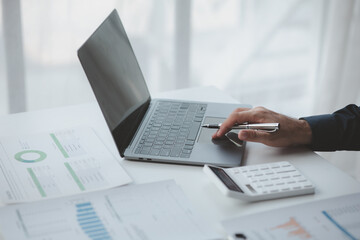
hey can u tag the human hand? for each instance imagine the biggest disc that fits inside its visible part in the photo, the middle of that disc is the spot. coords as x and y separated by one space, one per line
292 131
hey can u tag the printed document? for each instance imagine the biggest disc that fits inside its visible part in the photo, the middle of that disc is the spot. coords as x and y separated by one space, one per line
336 218
56 164
153 211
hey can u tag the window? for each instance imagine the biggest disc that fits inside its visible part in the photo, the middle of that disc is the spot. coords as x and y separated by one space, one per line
260 52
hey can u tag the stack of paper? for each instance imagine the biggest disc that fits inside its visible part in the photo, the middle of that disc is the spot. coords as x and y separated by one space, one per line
151 211
62 163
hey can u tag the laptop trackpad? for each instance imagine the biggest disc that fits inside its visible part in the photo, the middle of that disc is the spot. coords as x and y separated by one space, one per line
222 152
206 133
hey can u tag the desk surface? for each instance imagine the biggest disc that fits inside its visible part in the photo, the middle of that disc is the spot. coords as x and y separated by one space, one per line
205 197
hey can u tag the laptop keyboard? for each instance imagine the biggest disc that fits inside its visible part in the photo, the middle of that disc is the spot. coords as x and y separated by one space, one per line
172 130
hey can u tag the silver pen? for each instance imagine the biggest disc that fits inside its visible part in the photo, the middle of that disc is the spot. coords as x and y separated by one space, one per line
269 127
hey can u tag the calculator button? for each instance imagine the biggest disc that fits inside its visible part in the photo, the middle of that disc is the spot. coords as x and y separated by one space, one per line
285 164
288 168
307 184
285 171
273 190
292 170
275 167
250 188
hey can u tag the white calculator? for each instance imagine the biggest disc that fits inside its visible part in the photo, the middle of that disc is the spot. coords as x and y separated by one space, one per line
260 182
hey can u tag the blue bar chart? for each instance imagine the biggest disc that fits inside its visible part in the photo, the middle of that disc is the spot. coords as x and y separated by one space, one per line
90 223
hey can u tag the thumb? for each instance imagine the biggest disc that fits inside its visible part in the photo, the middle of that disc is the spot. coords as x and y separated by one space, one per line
252 135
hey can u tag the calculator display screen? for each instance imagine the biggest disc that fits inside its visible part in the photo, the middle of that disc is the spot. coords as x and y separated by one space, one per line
229 183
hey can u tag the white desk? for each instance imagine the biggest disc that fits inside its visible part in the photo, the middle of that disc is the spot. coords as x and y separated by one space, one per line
206 198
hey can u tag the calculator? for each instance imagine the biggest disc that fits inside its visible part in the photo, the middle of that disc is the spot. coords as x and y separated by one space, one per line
260 182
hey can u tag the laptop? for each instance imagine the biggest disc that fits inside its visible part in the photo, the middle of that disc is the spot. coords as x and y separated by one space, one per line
146 129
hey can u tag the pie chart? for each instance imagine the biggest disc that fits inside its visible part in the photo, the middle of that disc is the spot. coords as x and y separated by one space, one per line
30 156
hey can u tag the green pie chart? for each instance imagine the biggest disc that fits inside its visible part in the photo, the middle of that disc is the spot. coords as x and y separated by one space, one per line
30 156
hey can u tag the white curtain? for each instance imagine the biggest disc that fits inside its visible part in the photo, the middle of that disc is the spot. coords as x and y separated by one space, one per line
339 70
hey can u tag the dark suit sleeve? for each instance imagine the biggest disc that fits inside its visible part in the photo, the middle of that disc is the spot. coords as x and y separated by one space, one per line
337 131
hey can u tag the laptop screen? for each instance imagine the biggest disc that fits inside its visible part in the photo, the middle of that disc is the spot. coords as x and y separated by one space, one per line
116 79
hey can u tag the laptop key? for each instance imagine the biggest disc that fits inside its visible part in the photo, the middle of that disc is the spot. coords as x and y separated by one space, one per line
179 140
154 152
188 147
185 105
186 151
184 155
144 151
178 144
169 142
165 152
175 152
148 144
183 134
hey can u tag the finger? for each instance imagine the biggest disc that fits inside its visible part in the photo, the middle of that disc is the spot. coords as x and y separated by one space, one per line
240 115
253 136
215 135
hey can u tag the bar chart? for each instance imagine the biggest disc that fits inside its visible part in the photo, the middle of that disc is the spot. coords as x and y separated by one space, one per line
90 222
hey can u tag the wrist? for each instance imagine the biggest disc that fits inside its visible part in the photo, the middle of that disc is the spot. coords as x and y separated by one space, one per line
304 134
